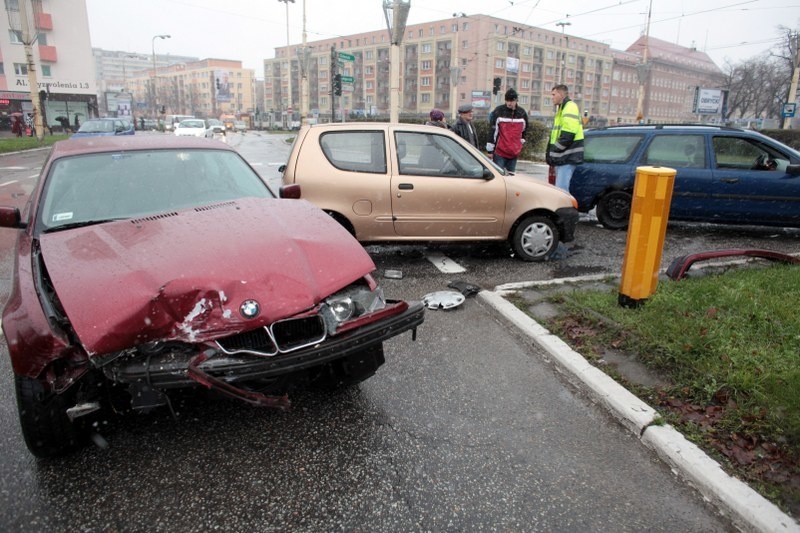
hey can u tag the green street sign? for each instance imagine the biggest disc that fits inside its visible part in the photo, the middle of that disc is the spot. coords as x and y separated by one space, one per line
348 79
344 56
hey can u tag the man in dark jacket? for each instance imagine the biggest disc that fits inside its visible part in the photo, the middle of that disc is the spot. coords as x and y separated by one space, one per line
565 149
464 127
508 123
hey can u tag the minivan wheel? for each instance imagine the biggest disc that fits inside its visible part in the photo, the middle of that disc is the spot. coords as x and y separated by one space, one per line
535 238
47 429
614 209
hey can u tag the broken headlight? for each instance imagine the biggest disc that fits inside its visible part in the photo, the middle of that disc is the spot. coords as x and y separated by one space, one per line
349 304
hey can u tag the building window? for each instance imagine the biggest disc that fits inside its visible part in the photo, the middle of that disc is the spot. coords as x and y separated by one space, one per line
12 5
526 50
368 70
425 81
2 70
369 85
20 69
523 100
526 84
426 98
501 46
45 71
15 36
426 48
499 63
369 54
426 65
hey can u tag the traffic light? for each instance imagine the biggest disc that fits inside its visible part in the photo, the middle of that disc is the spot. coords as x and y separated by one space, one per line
217 83
337 85
496 86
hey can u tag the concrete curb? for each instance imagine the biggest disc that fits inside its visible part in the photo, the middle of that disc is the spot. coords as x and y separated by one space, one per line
746 508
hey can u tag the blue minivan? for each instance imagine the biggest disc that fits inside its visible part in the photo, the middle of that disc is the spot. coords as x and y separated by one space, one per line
724 175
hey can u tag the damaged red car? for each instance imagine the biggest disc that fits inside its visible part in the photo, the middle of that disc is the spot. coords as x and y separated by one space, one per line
150 264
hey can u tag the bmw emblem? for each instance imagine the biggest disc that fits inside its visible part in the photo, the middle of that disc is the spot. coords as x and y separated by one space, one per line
249 309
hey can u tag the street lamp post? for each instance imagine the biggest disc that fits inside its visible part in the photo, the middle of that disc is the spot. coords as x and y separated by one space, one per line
155 71
563 54
289 110
455 73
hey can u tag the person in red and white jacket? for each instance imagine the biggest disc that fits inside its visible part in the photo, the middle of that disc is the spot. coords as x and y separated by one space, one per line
509 123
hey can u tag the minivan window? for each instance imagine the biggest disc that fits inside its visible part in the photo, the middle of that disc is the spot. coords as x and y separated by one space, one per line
610 148
355 151
685 151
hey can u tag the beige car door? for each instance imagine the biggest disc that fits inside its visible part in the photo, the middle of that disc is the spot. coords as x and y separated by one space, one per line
442 190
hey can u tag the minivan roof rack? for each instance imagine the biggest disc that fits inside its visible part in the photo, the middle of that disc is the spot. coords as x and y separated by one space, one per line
662 126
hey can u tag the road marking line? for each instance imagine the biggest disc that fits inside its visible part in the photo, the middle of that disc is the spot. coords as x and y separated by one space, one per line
445 264
13 168
8 183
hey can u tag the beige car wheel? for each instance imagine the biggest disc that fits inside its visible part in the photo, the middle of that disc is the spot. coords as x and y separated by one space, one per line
535 238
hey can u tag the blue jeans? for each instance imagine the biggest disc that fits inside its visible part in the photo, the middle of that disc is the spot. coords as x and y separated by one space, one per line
564 175
508 164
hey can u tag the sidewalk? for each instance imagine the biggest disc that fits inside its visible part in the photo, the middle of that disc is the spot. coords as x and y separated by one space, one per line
748 509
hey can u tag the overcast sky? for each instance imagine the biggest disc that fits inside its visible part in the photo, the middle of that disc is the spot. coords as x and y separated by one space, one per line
249 30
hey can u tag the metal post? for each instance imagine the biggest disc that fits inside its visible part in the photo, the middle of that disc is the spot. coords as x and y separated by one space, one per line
563 66
787 121
289 117
643 71
455 73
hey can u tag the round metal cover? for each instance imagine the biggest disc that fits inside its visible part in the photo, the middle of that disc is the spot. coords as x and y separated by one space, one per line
443 299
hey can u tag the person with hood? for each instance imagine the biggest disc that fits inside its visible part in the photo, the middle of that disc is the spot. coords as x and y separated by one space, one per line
508 123
464 127
437 119
565 149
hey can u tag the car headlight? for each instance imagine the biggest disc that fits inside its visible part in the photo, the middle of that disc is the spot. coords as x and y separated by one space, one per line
350 303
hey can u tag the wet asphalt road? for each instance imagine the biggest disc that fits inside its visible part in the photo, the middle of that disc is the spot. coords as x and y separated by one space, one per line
467 428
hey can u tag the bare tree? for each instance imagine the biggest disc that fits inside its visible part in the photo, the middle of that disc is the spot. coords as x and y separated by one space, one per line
757 87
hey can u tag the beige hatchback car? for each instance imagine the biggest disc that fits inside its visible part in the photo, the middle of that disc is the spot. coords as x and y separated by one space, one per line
404 182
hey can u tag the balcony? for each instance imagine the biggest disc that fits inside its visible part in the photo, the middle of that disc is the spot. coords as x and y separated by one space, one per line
44 21
48 53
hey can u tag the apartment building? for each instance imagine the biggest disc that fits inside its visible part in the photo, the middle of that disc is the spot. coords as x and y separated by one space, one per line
204 88
62 52
453 61
114 69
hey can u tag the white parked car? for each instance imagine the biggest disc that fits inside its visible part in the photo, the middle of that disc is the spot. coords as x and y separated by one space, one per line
193 127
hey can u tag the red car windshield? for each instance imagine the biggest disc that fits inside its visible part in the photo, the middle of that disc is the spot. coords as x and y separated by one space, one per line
118 185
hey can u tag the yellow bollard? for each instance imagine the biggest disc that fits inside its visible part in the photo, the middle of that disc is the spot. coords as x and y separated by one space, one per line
647 226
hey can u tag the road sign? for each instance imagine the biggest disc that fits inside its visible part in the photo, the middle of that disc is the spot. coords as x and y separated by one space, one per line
788 110
348 79
344 56
347 89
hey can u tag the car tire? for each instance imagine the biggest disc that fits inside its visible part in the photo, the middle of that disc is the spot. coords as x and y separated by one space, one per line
535 238
614 209
341 219
47 429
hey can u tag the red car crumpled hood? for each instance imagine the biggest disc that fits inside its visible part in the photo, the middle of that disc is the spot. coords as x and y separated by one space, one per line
184 276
